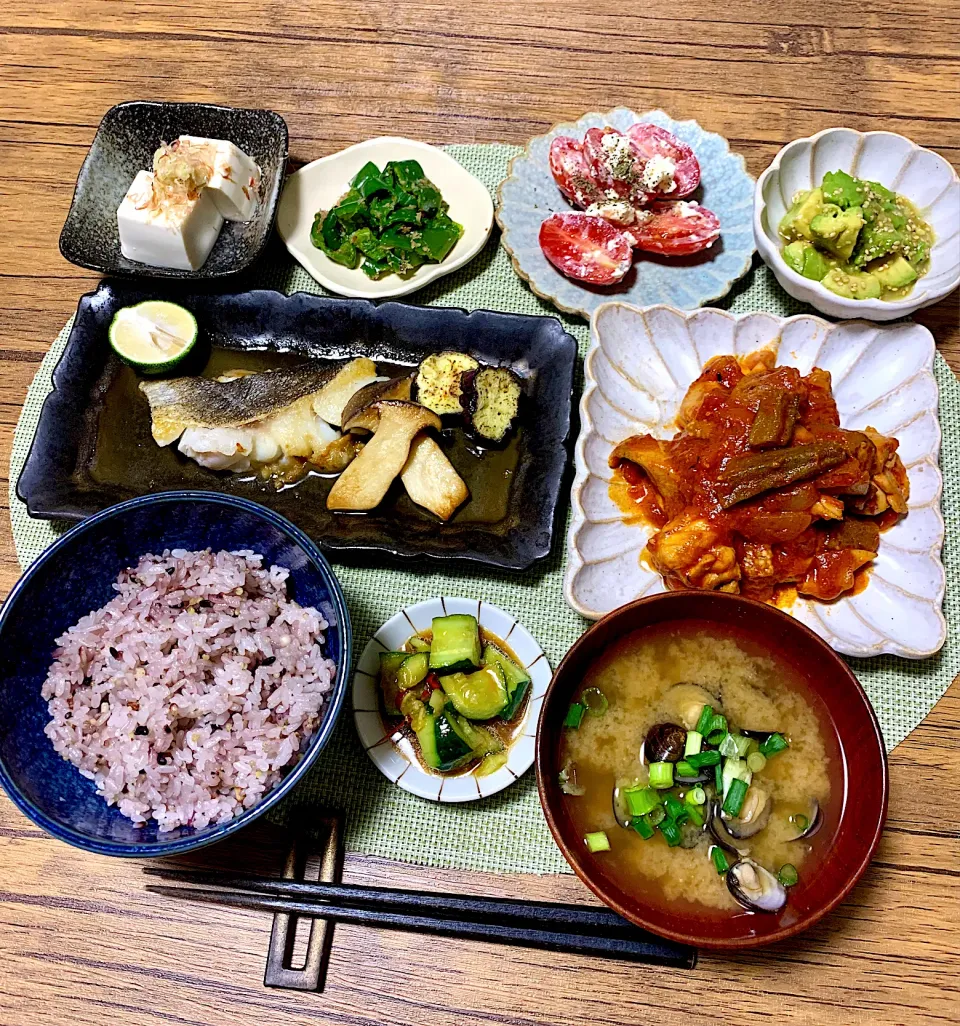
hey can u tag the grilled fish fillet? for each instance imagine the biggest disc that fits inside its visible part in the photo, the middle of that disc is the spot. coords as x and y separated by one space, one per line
257 418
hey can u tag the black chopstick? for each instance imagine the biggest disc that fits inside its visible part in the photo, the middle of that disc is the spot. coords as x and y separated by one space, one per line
540 915
640 947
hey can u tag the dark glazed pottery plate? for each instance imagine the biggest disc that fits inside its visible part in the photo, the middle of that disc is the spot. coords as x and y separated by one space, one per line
125 143
93 445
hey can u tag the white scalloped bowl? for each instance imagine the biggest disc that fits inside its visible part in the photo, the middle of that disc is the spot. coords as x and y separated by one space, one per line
393 752
924 177
639 366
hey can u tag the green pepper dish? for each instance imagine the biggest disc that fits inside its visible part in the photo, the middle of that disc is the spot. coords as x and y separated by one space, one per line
393 220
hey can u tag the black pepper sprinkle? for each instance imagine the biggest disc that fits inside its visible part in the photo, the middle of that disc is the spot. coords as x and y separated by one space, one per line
87 681
161 760
114 652
170 570
167 729
204 603
141 731
269 661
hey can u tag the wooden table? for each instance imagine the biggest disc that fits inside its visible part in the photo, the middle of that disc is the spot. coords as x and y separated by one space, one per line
80 942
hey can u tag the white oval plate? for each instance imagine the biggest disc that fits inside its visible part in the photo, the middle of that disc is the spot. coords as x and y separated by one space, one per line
640 364
318 186
393 753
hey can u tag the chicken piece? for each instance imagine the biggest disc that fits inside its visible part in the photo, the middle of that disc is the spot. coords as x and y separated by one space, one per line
833 573
756 560
690 552
889 473
651 456
828 508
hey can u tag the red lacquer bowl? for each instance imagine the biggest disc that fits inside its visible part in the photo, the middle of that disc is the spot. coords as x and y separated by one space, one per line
853 821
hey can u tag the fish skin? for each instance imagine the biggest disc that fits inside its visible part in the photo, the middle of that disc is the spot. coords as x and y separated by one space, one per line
179 403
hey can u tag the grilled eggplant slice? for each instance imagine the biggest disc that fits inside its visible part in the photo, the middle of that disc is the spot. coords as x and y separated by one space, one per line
496 403
367 480
440 381
430 479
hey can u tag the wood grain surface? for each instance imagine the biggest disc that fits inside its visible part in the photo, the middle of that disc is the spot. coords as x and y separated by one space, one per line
80 942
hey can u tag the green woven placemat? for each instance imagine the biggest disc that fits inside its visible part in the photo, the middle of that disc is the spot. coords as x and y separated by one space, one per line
507 833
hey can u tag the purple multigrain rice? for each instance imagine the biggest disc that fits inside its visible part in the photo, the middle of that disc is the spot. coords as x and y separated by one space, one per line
186 696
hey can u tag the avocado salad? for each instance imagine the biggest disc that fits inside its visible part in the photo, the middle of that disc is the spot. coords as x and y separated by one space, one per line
857 238
461 692
394 220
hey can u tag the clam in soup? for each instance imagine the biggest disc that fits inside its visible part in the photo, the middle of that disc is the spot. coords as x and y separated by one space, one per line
696 768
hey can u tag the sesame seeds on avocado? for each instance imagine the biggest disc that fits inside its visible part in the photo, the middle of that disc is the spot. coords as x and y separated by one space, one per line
858 238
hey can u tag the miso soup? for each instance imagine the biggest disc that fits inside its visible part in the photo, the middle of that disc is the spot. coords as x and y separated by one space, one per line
697 768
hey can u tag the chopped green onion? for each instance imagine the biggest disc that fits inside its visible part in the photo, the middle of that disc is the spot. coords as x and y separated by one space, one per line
574 716
716 737
788 875
671 832
756 761
706 718
774 743
719 722
694 743
656 816
684 769
595 701
661 775
641 800
597 841
642 827
718 777
734 769
704 759
720 860
728 746
733 802
695 815
695 796
800 822
743 744
676 810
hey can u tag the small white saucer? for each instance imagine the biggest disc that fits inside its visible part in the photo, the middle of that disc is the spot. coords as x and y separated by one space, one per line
393 753
319 185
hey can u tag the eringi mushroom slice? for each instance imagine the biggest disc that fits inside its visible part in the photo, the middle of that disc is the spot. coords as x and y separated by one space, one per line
366 481
431 480
383 388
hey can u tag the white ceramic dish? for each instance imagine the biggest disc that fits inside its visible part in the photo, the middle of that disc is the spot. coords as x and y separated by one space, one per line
318 186
924 177
640 364
393 753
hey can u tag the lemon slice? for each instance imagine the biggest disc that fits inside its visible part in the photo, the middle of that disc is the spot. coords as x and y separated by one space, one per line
153 336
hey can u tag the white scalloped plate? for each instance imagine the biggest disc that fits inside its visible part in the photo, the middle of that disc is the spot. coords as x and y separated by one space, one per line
393 753
640 364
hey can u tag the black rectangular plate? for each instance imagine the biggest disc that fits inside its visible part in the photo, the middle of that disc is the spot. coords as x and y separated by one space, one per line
63 480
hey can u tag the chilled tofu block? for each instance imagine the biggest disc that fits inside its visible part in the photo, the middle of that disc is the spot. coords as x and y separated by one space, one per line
165 227
235 178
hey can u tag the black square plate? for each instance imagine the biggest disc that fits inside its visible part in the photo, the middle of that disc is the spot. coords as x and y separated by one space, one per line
125 143
93 445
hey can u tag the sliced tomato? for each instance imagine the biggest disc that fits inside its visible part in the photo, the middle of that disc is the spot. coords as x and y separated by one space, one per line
676 229
614 164
572 173
586 247
651 140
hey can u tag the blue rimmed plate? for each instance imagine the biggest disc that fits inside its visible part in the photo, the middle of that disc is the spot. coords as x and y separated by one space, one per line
529 195
392 750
